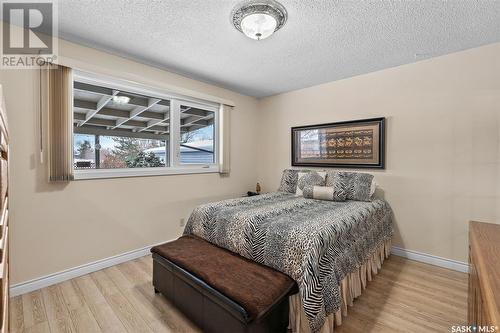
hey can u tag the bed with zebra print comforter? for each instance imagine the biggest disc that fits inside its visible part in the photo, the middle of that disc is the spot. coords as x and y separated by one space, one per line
316 243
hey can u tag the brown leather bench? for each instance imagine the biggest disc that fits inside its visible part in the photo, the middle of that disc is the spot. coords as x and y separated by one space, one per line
219 290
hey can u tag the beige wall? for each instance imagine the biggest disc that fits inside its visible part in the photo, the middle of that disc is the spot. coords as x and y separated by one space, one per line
55 227
442 161
443 146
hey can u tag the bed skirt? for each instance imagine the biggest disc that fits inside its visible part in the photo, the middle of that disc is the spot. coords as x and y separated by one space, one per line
351 287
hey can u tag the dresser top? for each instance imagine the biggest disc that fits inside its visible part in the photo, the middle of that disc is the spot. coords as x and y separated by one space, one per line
485 244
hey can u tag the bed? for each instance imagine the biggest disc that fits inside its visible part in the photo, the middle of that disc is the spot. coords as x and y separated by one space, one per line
329 248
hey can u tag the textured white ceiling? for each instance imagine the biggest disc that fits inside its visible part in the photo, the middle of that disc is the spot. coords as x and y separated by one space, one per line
323 40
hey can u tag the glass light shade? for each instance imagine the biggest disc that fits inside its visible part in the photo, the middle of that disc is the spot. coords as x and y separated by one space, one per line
258 26
121 99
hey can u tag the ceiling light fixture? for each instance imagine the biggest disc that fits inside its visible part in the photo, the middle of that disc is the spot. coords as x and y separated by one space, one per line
259 19
121 99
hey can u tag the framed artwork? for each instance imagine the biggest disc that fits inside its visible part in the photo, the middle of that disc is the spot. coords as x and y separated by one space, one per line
347 144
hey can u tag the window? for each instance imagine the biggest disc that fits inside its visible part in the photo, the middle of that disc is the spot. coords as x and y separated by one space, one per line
122 129
116 152
197 136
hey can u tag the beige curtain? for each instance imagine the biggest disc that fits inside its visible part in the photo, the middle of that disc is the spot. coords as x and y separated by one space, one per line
225 139
59 94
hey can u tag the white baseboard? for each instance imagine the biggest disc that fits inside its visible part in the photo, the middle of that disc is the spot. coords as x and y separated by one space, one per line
431 259
48 280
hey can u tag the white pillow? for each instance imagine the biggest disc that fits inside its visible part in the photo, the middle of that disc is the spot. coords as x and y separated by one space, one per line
330 193
312 178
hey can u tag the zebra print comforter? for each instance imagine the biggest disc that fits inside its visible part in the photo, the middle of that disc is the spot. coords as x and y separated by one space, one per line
317 243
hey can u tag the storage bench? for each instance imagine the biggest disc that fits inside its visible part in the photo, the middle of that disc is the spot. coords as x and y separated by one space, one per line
221 291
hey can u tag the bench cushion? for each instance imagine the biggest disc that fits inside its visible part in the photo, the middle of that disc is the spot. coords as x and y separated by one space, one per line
253 286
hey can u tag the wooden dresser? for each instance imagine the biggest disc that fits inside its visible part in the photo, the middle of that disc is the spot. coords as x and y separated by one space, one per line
4 218
484 274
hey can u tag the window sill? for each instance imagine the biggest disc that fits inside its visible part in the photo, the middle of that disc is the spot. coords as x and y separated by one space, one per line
145 172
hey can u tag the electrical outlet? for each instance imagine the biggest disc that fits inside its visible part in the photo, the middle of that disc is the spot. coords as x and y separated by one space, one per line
182 222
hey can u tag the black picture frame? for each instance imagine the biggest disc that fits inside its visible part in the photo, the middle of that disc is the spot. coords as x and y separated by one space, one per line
380 164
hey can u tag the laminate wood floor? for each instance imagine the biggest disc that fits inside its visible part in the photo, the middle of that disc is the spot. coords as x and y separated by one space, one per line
406 296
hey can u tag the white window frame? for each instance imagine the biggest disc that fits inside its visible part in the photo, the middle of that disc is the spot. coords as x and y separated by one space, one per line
176 100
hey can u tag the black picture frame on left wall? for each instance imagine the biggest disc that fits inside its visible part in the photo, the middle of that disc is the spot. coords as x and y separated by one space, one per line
347 144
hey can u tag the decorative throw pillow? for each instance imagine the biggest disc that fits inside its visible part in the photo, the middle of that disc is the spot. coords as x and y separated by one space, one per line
312 178
358 186
331 193
288 181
